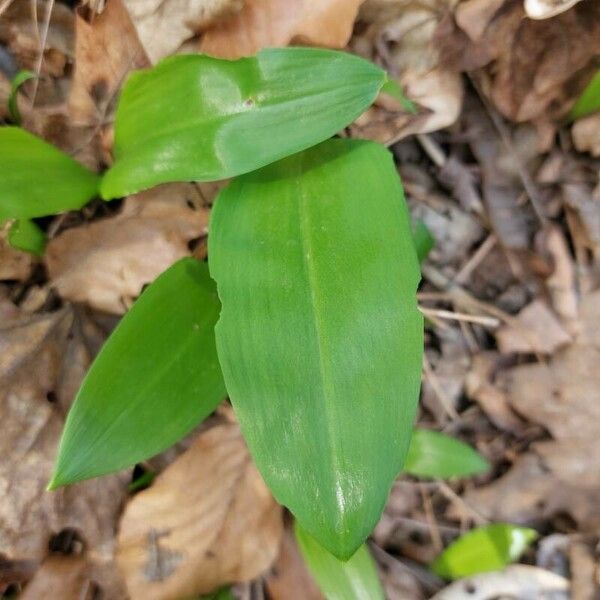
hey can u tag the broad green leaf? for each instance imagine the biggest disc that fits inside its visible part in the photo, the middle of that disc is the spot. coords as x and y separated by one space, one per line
155 379
589 101
18 80
433 454
25 235
320 339
354 579
423 240
222 594
36 179
200 118
488 548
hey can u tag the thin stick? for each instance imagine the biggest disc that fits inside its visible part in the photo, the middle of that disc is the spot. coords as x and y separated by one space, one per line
475 260
445 401
433 149
451 495
434 531
43 39
492 322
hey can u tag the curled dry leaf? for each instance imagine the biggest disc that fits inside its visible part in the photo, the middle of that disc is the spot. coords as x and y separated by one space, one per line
106 49
520 582
107 262
207 520
535 329
164 25
544 9
272 23
43 359
403 30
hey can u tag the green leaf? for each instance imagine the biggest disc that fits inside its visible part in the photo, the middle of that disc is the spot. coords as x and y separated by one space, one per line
18 80
589 101
433 454
222 594
423 240
355 579
393 88
155 379
320 339
200 118
39 180
483 549
25 235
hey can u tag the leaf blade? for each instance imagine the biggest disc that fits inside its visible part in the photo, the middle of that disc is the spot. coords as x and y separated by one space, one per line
158 395
317 273
483 549
38 179
356 578
434 454
223 118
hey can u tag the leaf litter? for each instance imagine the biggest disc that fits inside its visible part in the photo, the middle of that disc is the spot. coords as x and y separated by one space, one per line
511 193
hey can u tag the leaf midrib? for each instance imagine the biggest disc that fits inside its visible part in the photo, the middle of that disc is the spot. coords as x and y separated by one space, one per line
327 384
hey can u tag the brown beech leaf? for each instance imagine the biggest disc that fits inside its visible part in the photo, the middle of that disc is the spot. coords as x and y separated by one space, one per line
107 262
42 361
164 25
207 520
268 23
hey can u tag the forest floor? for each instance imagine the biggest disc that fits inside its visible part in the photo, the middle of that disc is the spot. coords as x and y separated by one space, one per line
506 183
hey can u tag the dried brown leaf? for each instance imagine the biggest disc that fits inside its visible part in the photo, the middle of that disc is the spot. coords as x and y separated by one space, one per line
107 262
564 396
272 23
535 329
164 25
43 359
64 577
14 264
207 520
586 134
289 578
534 69
403 32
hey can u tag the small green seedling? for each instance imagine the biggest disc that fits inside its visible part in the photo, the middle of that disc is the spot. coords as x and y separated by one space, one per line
488 548
318 338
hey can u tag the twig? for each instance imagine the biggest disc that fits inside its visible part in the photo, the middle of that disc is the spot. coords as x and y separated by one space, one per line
475 260
492 322
453 497
42 40
445 401
434 531
433 149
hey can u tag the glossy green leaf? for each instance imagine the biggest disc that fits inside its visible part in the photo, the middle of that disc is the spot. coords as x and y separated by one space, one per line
200 118
18 80
155 379
36 179
488 548
25 235
433 454
424 241
354 579
320 339
589 101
